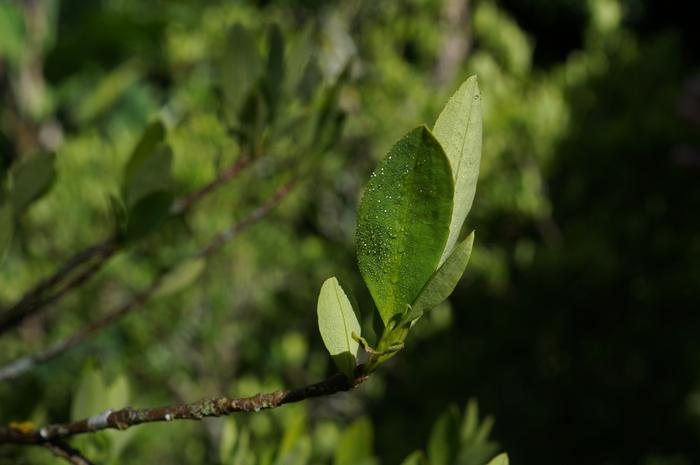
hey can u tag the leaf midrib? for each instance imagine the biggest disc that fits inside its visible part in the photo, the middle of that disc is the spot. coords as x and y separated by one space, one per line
342 316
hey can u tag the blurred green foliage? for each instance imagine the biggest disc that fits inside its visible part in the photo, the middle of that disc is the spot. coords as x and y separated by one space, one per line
577 322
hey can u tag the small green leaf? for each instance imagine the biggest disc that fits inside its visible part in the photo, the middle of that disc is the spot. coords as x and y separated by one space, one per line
444 280
148 214
180 277
240 69
443 443
297 59
31 180
151 175
151 138
355 443
6 227
403 221
336 322
89 397
458 128
274 75
500 459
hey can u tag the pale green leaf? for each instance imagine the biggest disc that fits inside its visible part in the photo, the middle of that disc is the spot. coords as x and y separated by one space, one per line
444 280
500 459
458 128
403 221
180 277
229 434
415 458
443 443
355 443
336 322
89 397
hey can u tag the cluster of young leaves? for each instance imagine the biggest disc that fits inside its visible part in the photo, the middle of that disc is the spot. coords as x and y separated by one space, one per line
408 224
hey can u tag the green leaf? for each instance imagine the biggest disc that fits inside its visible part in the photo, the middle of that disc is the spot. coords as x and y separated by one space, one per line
106 93
336 322
403 221
274 75
444 438
229 434
117 396
415 458
89 397
458 128
6 227
297 59
152 174
148 214
31 180
443 281
240 69
180 277
151 138
500 459
355 443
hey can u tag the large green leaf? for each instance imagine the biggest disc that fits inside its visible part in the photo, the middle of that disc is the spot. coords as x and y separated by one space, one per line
403 221
444 280
458 128
31 180
336 322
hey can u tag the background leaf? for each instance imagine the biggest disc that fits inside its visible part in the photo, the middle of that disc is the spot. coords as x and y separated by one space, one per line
458 128
444 438
31 180
403 221
336 322
355 444
240 69
6 227
180 277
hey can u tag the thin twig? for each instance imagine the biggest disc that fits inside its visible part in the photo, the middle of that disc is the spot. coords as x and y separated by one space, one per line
209 407
36 298
63 450
27 363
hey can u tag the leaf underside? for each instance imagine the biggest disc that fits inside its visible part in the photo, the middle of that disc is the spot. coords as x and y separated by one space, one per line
458 128
336 323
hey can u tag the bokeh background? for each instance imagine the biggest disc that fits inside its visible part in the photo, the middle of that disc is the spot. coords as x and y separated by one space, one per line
576 326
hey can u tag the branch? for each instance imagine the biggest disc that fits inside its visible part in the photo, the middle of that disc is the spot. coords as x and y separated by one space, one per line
63 450
36 298
209 407
27 363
